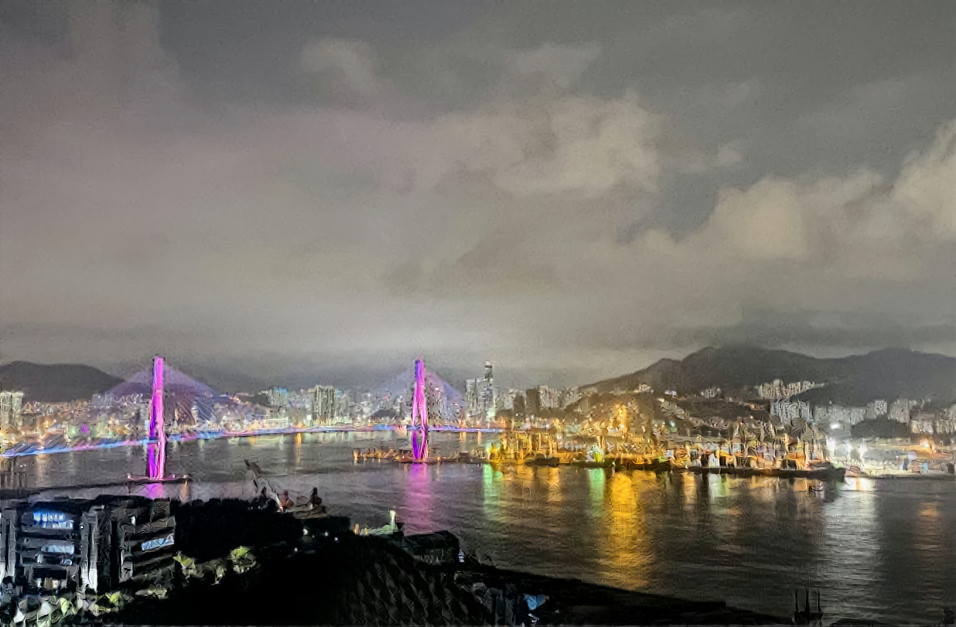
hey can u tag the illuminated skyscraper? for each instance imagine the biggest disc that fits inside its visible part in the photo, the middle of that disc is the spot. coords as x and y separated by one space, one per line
323 404
481 396
10 407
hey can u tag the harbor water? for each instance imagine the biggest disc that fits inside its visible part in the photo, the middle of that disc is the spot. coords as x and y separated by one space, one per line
880 550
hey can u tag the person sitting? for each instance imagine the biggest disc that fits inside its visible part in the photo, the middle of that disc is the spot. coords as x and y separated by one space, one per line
316 501
285 503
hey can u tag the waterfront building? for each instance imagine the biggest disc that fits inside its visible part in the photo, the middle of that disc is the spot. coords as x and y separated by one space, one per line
276 419
900 410
85 544
842 416
278 397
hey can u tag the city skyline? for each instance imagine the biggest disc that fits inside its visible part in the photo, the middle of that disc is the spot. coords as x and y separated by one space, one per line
338 189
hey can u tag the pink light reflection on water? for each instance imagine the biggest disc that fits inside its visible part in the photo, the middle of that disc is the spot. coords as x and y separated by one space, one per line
419 497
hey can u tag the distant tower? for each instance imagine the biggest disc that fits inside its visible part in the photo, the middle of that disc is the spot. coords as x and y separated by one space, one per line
489 394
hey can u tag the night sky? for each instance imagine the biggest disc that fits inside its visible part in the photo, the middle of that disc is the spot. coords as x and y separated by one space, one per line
304 191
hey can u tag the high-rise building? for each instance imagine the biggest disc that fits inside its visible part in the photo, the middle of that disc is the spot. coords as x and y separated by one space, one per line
481 396
343 406
532 402
323 404
11 405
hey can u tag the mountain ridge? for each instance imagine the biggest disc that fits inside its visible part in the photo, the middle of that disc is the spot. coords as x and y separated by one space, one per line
55 383
887 374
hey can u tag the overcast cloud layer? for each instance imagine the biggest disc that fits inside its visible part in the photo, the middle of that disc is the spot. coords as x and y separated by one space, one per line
328 190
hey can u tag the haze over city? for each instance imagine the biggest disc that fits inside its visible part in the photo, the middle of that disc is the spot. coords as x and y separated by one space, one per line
334 189
546 312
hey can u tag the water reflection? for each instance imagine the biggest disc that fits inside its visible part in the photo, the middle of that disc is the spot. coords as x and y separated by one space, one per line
878 550
553 483
625 551
419 502
596 479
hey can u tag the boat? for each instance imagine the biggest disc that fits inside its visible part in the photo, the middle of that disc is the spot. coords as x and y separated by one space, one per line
584 463
542 460
738 471
654 465
424 460
819 474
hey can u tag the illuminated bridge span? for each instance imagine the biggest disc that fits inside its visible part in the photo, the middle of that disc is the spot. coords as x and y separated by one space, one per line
445 403
188 402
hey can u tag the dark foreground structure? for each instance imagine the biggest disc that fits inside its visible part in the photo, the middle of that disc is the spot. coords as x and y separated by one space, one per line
365 580
243 563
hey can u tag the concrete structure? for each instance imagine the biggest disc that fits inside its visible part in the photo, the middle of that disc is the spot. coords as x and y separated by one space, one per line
92 545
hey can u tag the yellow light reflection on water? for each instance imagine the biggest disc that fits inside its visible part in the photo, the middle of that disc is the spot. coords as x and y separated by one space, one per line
859 484
689 489
553 479
624 543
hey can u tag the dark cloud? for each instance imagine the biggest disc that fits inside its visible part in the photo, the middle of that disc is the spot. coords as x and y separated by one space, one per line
332 189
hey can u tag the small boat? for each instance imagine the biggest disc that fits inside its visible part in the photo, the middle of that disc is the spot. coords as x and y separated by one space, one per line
819 474
541 460
607 463
655 465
